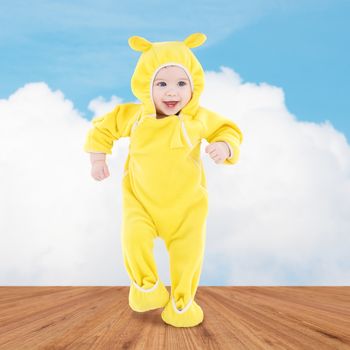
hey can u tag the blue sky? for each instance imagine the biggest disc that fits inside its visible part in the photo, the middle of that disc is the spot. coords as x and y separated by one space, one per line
289 192
81 48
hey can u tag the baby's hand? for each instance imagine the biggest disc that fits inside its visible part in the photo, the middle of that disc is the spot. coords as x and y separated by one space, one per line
99 170
218 151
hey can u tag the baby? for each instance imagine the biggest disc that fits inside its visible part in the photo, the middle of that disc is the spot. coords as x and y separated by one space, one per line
164 185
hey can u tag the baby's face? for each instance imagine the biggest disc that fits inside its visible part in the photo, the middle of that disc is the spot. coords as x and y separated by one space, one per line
171 84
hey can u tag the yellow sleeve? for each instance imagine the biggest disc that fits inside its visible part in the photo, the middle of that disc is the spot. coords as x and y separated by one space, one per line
218 128
110 127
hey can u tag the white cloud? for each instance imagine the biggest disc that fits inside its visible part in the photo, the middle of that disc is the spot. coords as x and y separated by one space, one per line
58 225
278 217
100 106
288 197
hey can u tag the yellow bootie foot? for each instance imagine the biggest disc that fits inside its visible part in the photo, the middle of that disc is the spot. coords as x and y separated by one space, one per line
190 316
142 300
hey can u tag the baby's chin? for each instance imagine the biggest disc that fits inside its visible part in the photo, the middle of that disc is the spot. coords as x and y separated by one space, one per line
164 113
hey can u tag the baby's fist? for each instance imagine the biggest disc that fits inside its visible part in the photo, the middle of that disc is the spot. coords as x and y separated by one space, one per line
99 170
218 151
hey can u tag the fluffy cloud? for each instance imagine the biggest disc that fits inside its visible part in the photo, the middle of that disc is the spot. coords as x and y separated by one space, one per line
278 217
287 199
58 225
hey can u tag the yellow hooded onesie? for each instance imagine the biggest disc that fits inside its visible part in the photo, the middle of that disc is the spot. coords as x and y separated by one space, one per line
164 186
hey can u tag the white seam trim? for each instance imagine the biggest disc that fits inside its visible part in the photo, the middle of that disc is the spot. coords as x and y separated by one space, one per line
134 125
184 309
185 131
146 290
137 122
231 152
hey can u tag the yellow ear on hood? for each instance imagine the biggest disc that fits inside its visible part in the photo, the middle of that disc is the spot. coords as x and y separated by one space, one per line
195 39
138 43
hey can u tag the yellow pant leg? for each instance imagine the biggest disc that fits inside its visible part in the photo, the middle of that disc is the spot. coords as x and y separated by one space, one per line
146 292
186 251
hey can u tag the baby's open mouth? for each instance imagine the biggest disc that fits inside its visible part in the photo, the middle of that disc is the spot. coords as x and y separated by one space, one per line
171 104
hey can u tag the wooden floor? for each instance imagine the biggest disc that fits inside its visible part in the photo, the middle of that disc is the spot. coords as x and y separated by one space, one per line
234 318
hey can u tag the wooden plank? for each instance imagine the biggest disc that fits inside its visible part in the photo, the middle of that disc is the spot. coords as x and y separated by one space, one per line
234 318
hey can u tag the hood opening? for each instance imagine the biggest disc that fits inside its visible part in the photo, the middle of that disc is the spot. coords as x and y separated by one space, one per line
166 65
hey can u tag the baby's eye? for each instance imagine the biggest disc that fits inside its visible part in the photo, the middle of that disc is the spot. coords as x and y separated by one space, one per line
184 83
162 82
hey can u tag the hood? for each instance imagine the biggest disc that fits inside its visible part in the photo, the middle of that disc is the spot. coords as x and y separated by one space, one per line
159 54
